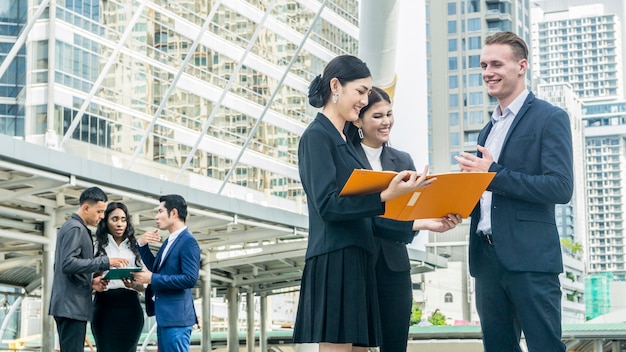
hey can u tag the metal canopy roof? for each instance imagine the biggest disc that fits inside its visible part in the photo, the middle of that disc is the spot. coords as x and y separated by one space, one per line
243 244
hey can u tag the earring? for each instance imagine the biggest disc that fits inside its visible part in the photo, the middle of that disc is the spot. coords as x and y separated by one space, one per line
360 132
335 97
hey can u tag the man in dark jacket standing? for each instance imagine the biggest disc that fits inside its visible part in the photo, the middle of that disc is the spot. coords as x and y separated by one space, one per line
74 266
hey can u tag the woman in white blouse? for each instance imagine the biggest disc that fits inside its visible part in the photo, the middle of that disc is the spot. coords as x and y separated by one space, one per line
118 317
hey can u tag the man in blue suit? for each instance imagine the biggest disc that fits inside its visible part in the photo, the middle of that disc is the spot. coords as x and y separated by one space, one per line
514 250
171 275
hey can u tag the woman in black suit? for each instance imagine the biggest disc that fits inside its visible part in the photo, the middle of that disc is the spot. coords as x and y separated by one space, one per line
118 317
338 306
370 135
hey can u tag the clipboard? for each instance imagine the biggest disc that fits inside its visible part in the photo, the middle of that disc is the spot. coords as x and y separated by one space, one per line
451 193
121 273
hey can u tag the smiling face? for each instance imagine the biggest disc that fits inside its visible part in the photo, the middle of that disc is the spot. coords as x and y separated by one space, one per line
352 97
503 73
376 124
117 223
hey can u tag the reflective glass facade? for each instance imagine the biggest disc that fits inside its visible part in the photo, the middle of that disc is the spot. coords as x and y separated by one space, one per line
206 93
12 20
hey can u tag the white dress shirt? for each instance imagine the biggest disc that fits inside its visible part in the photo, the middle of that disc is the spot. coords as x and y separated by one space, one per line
373 156
114 251
501 121
170 239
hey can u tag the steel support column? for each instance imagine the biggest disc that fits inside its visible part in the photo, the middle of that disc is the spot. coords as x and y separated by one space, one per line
206 306
263 323
47 322
232 339
250 319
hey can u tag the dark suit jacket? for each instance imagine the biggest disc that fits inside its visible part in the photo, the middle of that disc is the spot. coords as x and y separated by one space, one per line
533 173
172 281
74 266
391 236
325 162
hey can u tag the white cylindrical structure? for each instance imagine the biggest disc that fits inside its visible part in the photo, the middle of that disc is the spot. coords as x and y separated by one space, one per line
378 36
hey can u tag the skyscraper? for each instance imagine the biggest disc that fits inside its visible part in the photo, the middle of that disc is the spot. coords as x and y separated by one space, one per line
581 43
580 46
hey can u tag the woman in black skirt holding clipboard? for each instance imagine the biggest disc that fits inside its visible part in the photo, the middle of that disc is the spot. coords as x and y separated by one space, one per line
118 318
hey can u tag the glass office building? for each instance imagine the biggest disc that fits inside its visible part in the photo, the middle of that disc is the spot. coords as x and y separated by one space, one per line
12 20
211 94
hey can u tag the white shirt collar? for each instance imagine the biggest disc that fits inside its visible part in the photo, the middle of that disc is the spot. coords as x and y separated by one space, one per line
514 107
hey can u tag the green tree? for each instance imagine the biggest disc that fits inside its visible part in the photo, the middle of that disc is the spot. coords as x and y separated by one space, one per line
416 313
437 318
574 247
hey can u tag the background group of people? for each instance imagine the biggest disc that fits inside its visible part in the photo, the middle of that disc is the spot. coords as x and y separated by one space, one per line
115 312
356 286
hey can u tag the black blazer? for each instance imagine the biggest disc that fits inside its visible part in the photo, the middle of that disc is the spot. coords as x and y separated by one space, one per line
533 173
325 162
391 236
74 266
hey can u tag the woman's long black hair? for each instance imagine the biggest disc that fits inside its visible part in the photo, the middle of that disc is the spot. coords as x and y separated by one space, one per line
102 232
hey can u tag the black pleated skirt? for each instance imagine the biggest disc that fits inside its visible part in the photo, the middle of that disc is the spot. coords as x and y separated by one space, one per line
117 320
338 301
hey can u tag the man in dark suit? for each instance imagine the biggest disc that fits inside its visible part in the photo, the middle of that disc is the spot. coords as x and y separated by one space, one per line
514 250
74 266
171 275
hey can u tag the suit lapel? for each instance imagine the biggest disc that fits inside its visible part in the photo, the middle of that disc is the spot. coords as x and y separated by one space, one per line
388 160
361 152
330 129
173 246
361 160
520 114
482 137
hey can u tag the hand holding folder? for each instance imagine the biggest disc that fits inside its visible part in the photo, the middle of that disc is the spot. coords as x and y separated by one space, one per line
121 273
451 193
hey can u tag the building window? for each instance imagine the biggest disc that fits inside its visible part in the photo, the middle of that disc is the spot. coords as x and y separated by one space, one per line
454 119
451 27
476 98
453 81
454 139
451 8
474 43
473 6
471 138
453 63
452 45
473 24
476 117
474 61
454 101
447 298
475 79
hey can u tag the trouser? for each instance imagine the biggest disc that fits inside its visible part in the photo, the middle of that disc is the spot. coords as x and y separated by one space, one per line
71 334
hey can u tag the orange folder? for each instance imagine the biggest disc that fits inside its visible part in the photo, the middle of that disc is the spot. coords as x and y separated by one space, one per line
451 193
